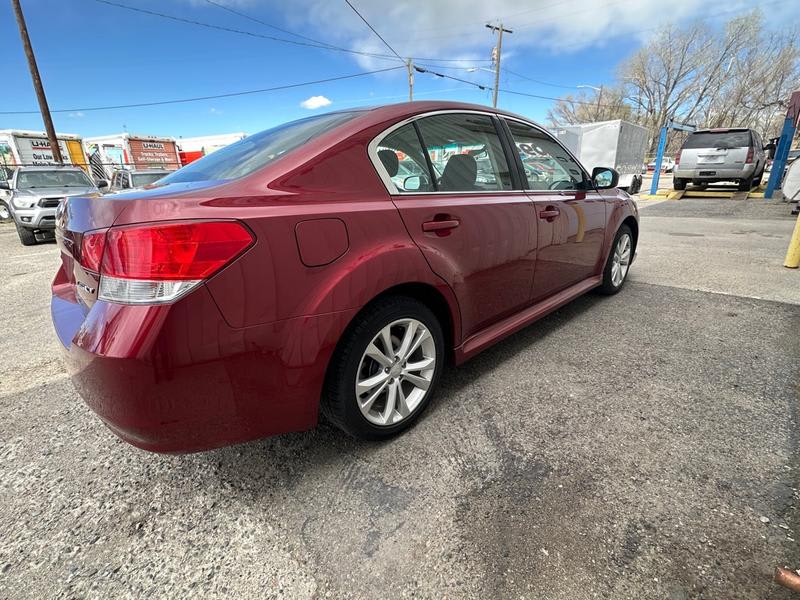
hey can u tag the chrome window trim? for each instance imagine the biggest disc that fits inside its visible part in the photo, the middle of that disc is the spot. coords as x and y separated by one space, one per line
372 151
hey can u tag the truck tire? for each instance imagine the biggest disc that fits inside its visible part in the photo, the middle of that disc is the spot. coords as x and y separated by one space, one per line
745 185
679 184
26 236
5 212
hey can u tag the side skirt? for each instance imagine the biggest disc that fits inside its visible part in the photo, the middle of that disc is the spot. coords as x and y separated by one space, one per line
502 329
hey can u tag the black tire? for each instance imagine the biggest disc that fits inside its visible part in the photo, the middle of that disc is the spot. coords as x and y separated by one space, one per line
339 403
26 236
607 287
745 185
5 212
679 184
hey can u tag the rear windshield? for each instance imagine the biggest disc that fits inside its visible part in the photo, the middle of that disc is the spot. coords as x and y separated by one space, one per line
142 179
255 151
718 139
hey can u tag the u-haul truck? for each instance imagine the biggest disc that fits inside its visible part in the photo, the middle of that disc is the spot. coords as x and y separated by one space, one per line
130 151
20 147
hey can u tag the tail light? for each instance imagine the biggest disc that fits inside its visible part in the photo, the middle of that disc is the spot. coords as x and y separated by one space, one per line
678 158
749 158
92 245
160 262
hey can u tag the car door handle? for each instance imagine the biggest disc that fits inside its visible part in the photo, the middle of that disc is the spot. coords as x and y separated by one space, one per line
549 213
443 225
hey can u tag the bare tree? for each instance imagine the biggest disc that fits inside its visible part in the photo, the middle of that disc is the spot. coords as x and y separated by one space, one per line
605 105
741 76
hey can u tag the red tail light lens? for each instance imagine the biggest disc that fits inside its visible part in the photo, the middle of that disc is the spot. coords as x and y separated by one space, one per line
173 251
678 158
92 245
749 158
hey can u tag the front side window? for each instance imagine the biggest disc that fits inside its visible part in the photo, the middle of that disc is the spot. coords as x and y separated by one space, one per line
465 152
402 156
547 165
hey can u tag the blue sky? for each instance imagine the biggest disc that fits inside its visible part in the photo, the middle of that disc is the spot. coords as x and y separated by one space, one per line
92 54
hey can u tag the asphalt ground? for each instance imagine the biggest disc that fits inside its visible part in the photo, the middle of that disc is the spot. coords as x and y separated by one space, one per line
622 447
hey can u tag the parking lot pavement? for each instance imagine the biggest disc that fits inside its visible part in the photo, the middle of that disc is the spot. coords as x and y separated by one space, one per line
623 447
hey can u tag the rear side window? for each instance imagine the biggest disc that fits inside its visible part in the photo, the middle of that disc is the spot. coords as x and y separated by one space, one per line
718 139
466 153
402 156
258 150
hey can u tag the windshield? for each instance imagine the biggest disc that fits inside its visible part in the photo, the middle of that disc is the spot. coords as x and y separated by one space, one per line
142 179
718 139
255 151
27 180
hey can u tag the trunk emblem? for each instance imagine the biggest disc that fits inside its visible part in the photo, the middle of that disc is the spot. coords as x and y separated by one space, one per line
85 288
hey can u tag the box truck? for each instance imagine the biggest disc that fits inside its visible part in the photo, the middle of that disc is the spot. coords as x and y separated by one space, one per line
617 144
190 149
108 153
20 147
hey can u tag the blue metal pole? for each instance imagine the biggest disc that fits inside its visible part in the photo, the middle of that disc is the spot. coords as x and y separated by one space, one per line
781 154
662 143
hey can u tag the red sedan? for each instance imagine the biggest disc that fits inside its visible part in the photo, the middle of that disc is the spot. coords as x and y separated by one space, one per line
304 269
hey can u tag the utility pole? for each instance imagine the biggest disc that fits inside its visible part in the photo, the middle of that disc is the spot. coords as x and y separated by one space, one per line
599 101
499 29
37 82
410 67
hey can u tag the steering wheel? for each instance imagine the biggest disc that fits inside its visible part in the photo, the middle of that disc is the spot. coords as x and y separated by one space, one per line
560 185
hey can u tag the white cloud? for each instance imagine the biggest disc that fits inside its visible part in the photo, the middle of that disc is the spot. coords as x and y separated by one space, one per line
76 115
456 29
215 111
315 102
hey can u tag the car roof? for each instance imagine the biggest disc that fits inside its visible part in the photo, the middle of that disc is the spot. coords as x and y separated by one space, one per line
410 109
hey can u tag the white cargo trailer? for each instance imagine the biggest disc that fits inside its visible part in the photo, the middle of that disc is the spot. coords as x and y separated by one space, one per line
618 144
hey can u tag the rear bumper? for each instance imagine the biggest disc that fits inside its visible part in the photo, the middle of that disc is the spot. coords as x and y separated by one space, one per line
711 173
177 378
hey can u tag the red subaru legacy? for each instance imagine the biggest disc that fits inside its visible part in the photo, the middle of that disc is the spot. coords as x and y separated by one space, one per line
335 263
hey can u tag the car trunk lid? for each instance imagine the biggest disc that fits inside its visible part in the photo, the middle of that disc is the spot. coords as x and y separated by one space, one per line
79 215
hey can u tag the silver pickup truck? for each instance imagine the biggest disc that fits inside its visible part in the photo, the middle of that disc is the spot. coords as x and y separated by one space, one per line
35 195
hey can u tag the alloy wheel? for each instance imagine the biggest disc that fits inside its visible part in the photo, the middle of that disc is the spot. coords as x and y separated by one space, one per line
395 372
621 260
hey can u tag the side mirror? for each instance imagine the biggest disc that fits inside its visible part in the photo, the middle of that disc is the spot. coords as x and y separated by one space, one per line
4 185
604 178
412 183
102 183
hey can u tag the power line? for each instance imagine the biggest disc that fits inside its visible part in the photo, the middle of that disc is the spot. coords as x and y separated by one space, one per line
507 91
240 31
271 26
322 45
540 82
380 37
200 98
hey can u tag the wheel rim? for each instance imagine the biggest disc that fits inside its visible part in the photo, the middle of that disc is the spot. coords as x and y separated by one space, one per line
395 372
4 212
621 260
